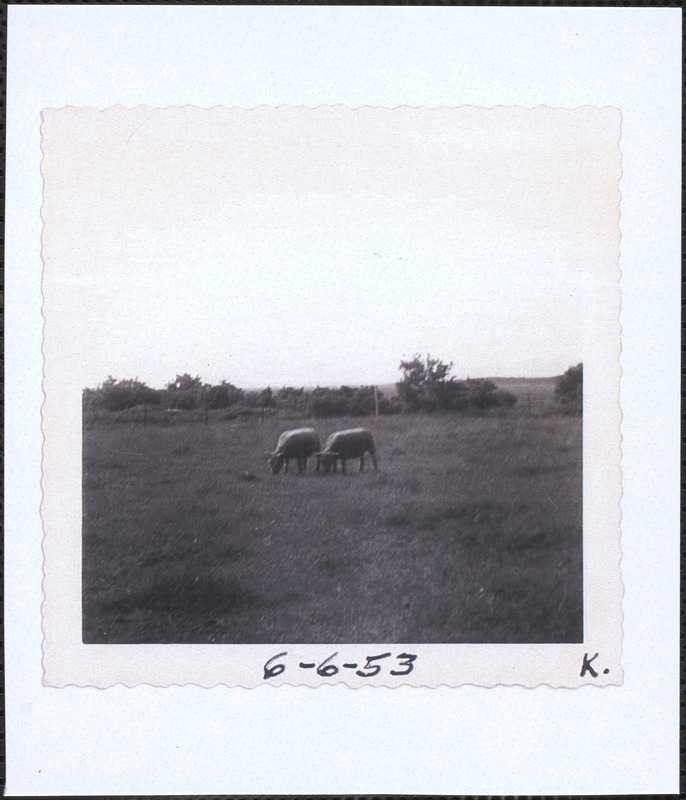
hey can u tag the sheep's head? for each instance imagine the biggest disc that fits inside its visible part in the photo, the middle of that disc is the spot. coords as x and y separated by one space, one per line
275 462
326 461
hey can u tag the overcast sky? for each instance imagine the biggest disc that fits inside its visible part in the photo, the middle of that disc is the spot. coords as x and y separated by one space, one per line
303 247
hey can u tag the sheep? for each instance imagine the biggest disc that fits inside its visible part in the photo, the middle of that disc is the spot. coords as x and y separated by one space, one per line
299 444
342 445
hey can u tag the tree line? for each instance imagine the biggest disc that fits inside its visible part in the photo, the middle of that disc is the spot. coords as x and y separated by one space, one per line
187 393
426 386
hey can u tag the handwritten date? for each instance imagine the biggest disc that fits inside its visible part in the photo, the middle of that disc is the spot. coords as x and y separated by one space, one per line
329 667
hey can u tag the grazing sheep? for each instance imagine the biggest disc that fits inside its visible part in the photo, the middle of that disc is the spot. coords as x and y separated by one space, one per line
342 445
298 444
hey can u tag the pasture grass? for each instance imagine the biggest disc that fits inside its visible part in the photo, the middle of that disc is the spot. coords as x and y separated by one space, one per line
469 532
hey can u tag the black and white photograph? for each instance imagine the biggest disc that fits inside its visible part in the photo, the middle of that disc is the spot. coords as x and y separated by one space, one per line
342 382
331 367
335 373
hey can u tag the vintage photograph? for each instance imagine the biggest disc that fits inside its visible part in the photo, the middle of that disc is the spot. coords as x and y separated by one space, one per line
465 525
331 368
342 376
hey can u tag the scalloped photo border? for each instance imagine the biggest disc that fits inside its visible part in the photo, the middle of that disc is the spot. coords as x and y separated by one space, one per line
86 136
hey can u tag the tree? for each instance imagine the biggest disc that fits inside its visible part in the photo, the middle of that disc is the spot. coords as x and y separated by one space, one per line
267 399
116 395
362 402
323 402
186 392
291 398
223 395
185 383
260 398
425 385
569 390
428 386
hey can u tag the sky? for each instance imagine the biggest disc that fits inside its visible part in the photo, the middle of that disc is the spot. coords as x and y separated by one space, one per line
294 246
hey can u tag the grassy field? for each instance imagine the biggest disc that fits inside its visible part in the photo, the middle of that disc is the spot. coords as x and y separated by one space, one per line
469 532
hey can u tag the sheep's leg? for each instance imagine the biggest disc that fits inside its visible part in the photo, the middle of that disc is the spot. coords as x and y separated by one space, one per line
285 469
362 463
376 469
343 465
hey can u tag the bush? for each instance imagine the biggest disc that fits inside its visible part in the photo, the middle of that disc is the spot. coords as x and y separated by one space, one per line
327 403
185 392
389 405
483 394
117 395
426 386
569 390
260 399
223 395
347 401
362 402
292 399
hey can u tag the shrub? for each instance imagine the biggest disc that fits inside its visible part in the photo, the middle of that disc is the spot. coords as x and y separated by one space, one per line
117 395
327 403
569 390
427 386
185 392
223 395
